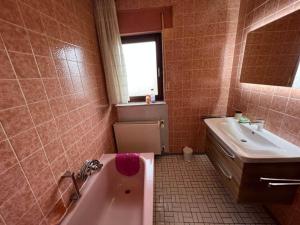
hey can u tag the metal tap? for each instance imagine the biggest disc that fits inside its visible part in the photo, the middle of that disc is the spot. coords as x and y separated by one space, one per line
71 175
259 122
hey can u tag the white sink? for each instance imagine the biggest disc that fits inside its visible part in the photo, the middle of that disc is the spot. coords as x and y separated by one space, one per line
251 145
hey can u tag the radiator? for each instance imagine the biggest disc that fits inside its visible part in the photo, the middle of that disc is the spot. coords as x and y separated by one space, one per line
143 136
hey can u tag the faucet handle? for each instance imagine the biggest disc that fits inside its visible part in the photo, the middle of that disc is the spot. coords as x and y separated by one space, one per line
260 124
88 167
94 164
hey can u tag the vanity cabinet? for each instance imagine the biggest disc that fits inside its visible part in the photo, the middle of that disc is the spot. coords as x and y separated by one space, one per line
242 179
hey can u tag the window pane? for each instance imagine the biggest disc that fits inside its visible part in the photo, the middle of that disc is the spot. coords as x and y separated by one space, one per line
141 67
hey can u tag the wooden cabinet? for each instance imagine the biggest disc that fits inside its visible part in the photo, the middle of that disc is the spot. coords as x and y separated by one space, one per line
243 179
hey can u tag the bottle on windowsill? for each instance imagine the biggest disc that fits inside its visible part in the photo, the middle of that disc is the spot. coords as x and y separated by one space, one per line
152 96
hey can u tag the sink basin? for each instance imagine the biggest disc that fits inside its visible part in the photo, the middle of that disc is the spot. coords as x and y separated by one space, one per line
251 145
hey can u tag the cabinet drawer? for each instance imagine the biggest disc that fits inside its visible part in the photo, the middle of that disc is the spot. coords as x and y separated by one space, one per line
226 158
230 173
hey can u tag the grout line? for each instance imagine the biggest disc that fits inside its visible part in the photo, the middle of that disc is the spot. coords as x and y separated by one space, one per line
1 217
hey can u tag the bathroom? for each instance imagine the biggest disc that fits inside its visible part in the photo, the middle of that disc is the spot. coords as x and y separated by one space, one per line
84 139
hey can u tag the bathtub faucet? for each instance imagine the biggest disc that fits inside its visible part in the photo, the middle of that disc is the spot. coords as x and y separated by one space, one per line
88 168
68 174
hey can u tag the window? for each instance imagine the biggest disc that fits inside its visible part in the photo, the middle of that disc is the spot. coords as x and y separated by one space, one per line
143 62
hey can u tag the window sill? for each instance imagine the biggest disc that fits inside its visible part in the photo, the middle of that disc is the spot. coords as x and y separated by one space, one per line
140 104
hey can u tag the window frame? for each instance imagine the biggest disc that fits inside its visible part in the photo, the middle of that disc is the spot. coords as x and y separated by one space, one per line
147 38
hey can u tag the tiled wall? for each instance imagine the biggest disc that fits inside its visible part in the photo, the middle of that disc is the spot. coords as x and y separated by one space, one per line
279 106
198 57
53 105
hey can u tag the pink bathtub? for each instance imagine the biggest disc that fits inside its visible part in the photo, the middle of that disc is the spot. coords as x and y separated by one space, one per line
110 198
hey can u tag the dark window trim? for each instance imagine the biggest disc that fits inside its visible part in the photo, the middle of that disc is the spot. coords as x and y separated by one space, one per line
145 38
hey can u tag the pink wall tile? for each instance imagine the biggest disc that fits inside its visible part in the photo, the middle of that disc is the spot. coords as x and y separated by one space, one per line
52 87
33 90
15 38
57 106
6 70
46 67
24 65
10 116
17 205
8 158
49 198
40 112
51 26
54 149
11 95
39 44
293 107
10 12
11 185
31 18
32 216
26 143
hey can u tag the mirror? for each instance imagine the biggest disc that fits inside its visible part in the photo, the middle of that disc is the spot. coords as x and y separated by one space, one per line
272 53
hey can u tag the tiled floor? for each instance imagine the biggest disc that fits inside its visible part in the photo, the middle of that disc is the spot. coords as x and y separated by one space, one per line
192 194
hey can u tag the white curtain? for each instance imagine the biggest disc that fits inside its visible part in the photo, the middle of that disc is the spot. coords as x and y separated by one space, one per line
111 51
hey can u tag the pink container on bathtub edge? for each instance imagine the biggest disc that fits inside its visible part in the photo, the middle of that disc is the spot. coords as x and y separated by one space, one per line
128 164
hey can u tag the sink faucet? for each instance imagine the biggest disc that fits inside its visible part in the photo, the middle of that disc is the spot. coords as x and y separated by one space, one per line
260 123
88 167
68 174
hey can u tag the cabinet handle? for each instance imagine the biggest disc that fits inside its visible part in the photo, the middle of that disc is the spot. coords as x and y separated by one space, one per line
279 179
225 173
281 182
228 154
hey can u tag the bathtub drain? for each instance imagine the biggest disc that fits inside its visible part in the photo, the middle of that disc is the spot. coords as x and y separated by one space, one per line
127 191
243 140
